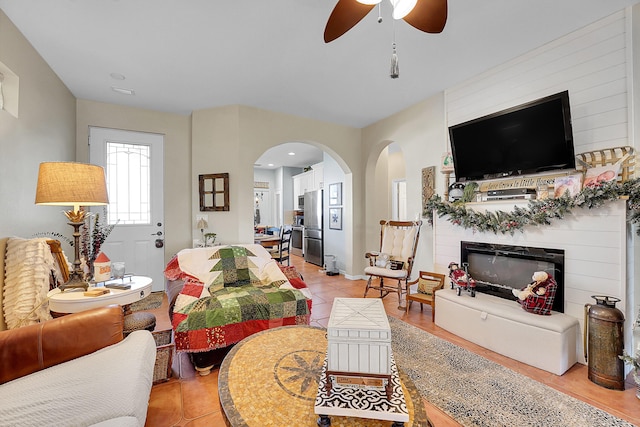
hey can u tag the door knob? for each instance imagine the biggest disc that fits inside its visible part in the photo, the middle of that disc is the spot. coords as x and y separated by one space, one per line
159 243
159 233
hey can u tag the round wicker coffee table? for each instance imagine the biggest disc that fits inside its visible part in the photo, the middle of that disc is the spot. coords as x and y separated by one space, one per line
270 379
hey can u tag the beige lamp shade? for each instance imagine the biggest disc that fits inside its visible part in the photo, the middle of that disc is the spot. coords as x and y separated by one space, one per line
71 184
202 223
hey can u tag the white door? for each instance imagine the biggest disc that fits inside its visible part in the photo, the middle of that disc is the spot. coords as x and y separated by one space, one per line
399 200
134 166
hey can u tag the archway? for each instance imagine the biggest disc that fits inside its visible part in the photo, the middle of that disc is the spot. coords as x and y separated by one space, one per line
319 170
385 171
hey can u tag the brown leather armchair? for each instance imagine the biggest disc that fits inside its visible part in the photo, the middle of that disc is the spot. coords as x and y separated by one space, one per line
35 347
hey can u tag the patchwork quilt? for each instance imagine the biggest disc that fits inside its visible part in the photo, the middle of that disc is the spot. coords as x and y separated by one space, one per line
231 292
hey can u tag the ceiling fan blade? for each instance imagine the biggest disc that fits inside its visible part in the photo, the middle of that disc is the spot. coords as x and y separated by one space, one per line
429 16
344 16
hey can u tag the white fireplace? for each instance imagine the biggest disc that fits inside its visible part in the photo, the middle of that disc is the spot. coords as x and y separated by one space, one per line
596 244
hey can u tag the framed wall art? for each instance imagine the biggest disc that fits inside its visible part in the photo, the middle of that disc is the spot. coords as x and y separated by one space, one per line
335 194
214 192
335 218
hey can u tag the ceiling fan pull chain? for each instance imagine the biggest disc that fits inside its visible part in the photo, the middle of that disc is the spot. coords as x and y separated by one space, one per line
380 13
395 69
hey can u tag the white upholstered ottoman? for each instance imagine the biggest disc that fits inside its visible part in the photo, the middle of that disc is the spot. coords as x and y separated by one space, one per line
546 342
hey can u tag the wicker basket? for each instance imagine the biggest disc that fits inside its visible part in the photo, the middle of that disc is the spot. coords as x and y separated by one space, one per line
164 355
609 156
164 359
162 337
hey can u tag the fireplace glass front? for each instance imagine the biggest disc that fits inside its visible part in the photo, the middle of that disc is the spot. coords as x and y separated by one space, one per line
498 269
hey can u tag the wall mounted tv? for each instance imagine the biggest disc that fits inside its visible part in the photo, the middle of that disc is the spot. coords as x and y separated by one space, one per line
529 138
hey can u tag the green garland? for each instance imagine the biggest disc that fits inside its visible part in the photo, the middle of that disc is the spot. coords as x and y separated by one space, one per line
538 212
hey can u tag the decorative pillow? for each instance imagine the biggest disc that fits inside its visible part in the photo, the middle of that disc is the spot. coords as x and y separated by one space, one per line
596 176
297 283
396 265
383 260
426 286
28 266
289 271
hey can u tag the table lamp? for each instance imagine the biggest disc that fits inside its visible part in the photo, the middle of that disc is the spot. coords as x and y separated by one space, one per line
72 184
202 224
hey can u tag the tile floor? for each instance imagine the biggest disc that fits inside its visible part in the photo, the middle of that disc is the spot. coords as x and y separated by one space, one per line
192 400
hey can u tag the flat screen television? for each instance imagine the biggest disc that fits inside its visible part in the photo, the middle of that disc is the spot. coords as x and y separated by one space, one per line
529 138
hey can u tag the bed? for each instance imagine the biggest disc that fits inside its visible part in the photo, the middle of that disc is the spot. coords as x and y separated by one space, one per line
222 294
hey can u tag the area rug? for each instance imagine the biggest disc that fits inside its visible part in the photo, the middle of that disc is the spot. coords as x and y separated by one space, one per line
478 392
154 300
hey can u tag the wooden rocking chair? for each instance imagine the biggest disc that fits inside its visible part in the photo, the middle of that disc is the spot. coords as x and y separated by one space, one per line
398 244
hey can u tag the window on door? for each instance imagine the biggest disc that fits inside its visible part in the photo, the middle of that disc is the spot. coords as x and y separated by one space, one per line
128 177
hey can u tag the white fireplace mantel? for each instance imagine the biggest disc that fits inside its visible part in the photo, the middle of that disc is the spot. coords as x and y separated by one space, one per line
598 247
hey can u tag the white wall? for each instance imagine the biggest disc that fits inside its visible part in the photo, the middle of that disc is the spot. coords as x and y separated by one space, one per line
231 139
44 131
593 64
287 189
334 240
421 134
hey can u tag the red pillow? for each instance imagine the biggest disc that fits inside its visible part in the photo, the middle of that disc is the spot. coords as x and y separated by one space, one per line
297 283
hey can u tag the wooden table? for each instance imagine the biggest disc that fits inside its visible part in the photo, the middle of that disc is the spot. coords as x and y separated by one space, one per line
271 379
75 301
268 241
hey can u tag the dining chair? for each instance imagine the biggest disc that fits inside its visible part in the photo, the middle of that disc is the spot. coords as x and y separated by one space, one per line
281 252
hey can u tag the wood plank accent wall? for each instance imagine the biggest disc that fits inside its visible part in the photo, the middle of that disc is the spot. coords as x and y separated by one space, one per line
594 65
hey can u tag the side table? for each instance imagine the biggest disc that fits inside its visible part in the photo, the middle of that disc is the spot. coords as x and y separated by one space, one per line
75 301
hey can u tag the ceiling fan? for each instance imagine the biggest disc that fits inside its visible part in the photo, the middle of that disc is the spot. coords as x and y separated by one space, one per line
429 16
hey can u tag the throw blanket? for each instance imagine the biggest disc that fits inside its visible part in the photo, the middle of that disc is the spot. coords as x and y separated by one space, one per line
28 267
231 292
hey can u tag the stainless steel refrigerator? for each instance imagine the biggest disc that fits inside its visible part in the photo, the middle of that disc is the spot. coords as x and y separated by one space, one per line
313 247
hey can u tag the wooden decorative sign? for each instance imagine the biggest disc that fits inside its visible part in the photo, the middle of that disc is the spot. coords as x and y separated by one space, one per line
519 182
428 184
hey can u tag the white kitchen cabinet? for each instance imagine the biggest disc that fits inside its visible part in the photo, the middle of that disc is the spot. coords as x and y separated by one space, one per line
307 181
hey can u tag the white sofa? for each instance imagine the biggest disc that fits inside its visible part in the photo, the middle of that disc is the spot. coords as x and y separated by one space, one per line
76 370
110 387
546 342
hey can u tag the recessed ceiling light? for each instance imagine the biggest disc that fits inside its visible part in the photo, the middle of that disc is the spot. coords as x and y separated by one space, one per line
292 153
117 76
270 164
123 90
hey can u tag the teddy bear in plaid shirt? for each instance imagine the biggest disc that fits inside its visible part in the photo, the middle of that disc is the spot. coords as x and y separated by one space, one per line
538 296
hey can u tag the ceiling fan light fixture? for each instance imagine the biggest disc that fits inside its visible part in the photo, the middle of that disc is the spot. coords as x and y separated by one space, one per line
369 1
402 8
